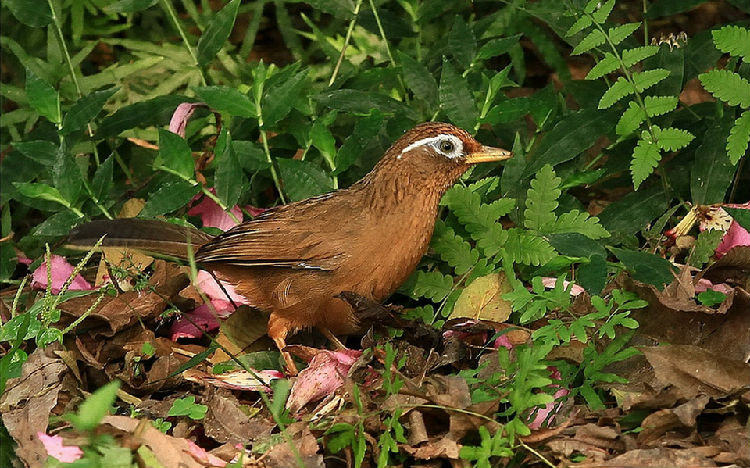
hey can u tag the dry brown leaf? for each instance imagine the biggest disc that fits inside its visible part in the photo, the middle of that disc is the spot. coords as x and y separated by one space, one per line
482 299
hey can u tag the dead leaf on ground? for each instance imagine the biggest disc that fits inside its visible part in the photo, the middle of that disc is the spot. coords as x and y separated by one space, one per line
281 455
482 299
229 421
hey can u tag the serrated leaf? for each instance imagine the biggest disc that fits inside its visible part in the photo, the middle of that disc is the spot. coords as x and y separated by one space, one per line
581 23
418 78
646 267
617 91
659 105
646 157
460 42
228 177
591 6
648 78
739 136
606 65
704 247
42 97
541 199
727 86
593 39
85 110
603 12
734 40
578 222
34 13
217 32
672 139
432 285
619 33
456 99
364 134
171 195
95 407
527 248
632 56
453 249
303 179
101 183
174 155
631 119
497 46
226 99
475 216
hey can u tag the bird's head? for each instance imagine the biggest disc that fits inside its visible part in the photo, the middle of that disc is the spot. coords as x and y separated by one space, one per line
438 152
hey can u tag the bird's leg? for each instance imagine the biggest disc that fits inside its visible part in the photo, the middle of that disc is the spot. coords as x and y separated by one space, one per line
278 328
332 338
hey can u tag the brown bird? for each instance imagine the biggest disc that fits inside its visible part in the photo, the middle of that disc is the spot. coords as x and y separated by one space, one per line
294 260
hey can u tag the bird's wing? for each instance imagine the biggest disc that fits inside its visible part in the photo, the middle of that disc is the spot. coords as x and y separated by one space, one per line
293 236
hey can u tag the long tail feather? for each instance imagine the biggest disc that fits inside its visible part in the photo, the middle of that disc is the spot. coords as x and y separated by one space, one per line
148 235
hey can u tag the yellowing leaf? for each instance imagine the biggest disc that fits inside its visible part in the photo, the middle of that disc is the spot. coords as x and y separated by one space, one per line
482 299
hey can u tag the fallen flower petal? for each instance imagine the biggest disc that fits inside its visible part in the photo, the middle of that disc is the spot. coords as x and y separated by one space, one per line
324 375
55 448
182 115
551 408
212 215
549 282
201 319
60 271
736 236
206 283
204 457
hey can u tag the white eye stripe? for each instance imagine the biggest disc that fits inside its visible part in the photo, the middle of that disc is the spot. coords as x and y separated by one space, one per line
434 142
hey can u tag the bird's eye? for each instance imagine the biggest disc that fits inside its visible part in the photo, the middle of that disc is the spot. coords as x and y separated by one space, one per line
446 146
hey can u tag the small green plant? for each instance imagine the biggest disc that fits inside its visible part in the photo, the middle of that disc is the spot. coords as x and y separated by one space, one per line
188 407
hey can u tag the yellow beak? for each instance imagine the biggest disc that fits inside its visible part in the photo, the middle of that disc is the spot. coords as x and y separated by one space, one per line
488 154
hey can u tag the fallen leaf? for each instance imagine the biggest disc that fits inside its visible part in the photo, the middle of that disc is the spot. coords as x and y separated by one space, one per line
482 299
323 376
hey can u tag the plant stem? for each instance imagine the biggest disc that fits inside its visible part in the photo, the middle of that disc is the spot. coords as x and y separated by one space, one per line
388 47
346 43
167 5
61 42
645 23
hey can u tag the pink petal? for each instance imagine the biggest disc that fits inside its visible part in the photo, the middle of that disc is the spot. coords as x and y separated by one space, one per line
206 283
551 408
204 457
182 115
324 375
736 236
55 448
549 282
254 210
503 341
23 259
212 215
704 285
60 271
193 324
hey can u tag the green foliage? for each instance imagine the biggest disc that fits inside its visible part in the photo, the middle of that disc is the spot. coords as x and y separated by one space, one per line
188 407
95 407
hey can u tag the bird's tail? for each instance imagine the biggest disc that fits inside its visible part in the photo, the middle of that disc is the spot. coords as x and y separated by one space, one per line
148 235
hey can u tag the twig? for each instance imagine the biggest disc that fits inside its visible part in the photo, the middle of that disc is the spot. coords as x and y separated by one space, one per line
346 43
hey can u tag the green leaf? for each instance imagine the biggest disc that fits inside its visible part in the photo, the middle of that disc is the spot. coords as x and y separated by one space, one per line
188 407
594 39
156 111
251 156
741 215
606 65
34 13
619 33
453 249
712 170
456 99
497 46
303 179
634 211
280 99
41 191
704 247
171 195
659 105
365 132
727 86
227 100
66 175
603 12
733 40
648 78
418 78
461 43
632 56
322 138
631 119
527 248
43 97
509 110
229 179
363 102
672 139
475 216
646 157
592 276
617 91
217 32
95 407
739 136
85 110
174 155
541 199
710 298
101 183
579 222
581 23
432 285
646 267
41 151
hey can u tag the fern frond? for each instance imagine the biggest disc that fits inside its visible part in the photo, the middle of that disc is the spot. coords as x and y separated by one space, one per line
632 56
646 157
631 119
580 222
727 86
672 139
432 285
617 91
453 249
733 40
581 23
606 65
591 6
492 240
738 137
619 33
648 78
603 12
527 248
476 216
659 105
541 199
593 39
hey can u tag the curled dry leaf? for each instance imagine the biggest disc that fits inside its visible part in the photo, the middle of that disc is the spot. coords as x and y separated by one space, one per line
323 376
